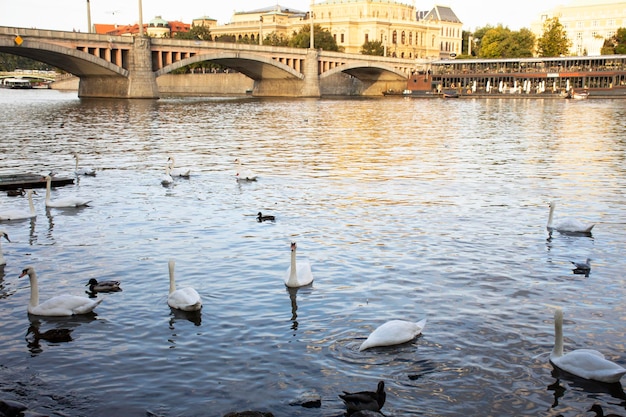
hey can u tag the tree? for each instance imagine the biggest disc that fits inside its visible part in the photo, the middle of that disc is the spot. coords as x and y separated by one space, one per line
501 42
373 48
274 39
616 44
554 41
323 39
196 32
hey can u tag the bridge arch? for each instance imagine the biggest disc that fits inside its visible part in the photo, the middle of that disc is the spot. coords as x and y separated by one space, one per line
252 65
70 60
368 71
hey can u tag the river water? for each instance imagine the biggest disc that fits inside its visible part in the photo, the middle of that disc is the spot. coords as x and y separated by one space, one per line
405 208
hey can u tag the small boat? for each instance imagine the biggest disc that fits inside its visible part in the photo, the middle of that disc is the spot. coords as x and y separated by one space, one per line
450 94
16 181
580 96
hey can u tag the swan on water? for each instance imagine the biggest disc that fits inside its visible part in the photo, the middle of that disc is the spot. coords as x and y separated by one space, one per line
65 201
166 179
186 299
584 363
365 400
84 170
177 172
61 305
243 173
298 275
3 234
20 214
393 332
567 225
103 286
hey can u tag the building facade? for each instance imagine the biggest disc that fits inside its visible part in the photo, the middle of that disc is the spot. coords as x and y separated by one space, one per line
403 31
588 23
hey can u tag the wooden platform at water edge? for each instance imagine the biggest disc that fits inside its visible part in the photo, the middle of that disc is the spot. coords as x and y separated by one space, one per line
25 181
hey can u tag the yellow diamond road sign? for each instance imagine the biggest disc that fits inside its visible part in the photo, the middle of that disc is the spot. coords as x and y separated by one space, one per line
18 40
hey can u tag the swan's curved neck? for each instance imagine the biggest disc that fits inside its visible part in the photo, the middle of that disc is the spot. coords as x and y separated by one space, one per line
30 203
48 182
76 156
550 216
2 261
34 289
557 351
293 275
172 278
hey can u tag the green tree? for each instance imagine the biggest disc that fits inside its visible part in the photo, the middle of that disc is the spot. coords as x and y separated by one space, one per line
373 48
479 34
554 41
196 32
616 44
275 40
10 62
323 39
501 42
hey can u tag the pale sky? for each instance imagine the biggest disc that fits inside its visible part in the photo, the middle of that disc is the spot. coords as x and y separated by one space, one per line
72 14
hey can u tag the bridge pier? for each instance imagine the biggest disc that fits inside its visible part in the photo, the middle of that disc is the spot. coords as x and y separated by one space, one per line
141 82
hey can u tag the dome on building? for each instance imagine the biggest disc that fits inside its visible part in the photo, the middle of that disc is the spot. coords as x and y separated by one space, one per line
158 22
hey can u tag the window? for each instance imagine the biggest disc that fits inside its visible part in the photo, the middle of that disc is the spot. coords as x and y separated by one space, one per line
403 37
394 37
342 38
367 37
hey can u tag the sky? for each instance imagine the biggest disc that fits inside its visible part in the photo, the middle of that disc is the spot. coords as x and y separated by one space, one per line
71 15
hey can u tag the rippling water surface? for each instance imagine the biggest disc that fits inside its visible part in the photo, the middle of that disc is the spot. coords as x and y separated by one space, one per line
405 208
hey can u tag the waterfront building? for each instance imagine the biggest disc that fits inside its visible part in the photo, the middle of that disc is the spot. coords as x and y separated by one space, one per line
587 23
404 31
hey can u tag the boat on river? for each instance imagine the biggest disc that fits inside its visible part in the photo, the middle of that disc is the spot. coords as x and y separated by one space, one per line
542 77
16 83
24 181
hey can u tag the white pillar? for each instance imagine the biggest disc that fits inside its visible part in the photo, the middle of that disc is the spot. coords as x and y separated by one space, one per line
140 19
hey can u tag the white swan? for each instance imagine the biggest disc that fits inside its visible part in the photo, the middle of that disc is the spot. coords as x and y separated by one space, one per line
166 179
61 305
298 275
244 174
3 234
393 332
177 172
585 363
186 299
85 170
65 201
18 214
567 225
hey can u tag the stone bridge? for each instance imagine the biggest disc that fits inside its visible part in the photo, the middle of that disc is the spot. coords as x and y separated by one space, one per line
127 67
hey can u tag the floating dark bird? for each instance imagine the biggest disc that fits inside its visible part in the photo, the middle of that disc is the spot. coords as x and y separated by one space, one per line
16 193
365 400
261 218
103 286
597 408
582 267
52 335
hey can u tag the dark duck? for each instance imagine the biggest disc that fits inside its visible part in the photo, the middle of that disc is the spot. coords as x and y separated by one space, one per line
365 400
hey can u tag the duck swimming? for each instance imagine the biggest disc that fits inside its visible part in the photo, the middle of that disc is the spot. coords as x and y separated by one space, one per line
365 400
103 286
261 218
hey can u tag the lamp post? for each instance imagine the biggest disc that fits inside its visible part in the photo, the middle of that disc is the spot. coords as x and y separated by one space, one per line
88 17
140 19
261 31
312 33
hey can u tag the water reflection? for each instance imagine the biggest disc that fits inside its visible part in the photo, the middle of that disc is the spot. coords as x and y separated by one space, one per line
53 330
574 382
178 315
